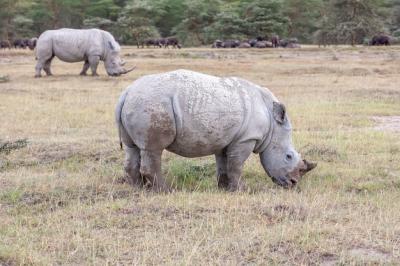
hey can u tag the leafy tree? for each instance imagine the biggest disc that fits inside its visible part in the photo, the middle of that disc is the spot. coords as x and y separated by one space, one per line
97 22
303 16
7 12
171 15
103 9
353 20
394 21
264 18
136 22
201 22
197 18
22 26
228 25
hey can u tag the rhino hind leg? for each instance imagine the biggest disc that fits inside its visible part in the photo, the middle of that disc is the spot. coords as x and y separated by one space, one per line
94 62
38 69
85 68
132 166
47 66
150 169
222 172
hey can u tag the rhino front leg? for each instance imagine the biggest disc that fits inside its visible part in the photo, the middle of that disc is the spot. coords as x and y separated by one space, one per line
132 166
94 62
237 154
85 68
150 169
222 172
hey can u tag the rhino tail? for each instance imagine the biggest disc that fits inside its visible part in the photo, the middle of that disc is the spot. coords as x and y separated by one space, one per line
118 112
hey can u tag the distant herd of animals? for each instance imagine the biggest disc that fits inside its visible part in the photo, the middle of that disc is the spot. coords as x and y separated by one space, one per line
259 42
161 42
19 43
275 41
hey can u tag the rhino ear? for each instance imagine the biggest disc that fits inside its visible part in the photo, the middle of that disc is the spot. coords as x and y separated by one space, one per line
279 112
111 45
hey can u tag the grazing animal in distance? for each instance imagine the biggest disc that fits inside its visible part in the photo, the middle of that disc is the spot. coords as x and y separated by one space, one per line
263 44
162 42
253 42
20 43
177 111
72 45
275 41
217 44
151 42
244 45
379 40
5 44
172 41
289 43
231 43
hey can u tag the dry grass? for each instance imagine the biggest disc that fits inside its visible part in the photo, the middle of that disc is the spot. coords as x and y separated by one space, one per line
62 202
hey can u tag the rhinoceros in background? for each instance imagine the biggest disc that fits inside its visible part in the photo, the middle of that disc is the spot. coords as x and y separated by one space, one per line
193 114
71 45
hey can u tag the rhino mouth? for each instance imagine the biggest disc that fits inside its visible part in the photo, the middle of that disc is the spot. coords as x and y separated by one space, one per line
293 177
284 182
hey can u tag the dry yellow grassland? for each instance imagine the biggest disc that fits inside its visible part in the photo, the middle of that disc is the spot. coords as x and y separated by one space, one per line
62 200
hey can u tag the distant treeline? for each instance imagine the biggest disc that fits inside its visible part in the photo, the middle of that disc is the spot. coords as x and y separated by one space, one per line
196 22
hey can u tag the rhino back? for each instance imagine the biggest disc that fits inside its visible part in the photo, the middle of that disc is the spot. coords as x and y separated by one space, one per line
71 45
209 113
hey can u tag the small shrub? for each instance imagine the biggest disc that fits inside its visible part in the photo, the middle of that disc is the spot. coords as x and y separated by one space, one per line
4 78
190 174
8 146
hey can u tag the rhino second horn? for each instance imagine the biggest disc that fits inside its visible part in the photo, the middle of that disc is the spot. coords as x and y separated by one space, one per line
124 71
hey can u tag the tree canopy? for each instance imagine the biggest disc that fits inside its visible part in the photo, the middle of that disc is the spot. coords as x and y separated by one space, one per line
201 22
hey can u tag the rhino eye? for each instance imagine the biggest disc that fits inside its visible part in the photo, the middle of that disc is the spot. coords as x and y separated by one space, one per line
289 157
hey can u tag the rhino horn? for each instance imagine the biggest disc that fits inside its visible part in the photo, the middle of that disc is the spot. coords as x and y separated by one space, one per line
124 71
308 166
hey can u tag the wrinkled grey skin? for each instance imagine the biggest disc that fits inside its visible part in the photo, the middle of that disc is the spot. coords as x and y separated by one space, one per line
193 114
71 45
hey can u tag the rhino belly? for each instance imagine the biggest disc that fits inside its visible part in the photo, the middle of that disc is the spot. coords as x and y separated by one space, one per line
68 51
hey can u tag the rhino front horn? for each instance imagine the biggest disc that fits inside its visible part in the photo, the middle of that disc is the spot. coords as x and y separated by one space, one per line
308 166
124 71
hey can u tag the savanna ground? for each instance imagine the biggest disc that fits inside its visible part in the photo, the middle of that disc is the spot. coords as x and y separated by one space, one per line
62 199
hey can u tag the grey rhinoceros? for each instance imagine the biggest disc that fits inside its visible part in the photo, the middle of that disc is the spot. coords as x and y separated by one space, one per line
193 114
72 45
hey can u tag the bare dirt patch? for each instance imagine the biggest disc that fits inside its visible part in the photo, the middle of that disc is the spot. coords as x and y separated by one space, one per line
387 123
323 152
7 146
370 255
290 254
